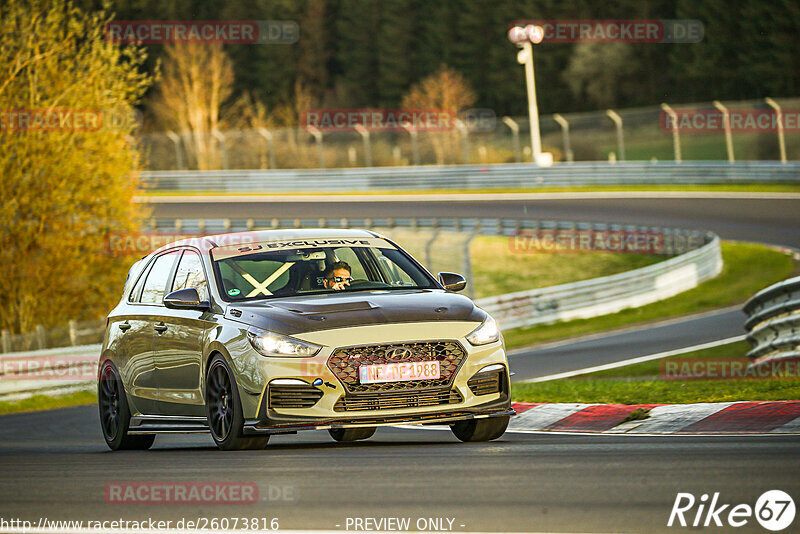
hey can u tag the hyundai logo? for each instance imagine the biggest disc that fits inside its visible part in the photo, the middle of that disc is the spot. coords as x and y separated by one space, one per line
397 353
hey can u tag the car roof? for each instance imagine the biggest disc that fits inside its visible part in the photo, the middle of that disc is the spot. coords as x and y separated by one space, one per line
261 236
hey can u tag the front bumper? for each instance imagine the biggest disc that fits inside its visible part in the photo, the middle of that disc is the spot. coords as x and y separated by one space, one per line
493 409
326 409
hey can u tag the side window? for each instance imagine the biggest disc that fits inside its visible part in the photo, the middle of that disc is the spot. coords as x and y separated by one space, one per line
133 296
396 275
190 274
153 291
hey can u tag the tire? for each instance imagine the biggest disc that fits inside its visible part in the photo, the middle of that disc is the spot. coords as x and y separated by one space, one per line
351 434
481 429
224 410
115 415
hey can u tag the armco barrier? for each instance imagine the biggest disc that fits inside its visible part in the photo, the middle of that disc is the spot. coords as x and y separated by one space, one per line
608 294
507 175
773 323
58 370
696 257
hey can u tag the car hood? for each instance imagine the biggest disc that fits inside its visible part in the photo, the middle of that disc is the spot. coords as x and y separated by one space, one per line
293 315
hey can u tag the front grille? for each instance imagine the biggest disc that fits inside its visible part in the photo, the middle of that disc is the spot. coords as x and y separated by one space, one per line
486 383
345 361
293 396
396 399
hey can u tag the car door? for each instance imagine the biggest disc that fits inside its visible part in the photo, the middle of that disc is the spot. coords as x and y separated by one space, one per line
179 343
137 334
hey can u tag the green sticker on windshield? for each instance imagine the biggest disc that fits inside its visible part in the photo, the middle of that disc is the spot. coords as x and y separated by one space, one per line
233 292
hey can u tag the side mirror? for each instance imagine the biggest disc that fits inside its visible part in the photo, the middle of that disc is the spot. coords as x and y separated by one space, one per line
185 299
452 281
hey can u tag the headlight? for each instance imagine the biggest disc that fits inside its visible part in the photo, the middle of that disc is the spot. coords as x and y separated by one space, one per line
487 332
272 344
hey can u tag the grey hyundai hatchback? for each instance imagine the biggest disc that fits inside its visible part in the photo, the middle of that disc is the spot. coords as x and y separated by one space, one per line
249 335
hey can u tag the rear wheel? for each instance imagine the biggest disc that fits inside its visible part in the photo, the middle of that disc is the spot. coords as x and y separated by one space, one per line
115 415
224 410
481 429
351 434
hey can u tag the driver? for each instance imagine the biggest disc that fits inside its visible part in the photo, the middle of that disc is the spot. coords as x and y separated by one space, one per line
337 276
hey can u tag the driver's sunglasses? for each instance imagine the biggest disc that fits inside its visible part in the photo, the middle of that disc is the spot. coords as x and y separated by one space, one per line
339 279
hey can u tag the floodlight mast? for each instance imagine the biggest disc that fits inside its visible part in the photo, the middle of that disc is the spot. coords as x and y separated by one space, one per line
525 37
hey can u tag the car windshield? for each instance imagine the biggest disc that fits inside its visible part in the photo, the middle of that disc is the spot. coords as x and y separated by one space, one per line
316 266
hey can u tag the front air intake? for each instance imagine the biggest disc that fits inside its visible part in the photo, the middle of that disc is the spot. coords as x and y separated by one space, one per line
486 383
293 396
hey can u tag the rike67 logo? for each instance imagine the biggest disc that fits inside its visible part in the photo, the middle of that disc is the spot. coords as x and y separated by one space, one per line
774 510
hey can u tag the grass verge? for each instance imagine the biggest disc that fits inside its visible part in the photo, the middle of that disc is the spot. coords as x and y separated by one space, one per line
498 270
748 268
48 402
643 383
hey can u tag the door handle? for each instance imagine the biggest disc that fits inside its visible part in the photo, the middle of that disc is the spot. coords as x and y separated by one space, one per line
125 326
160 328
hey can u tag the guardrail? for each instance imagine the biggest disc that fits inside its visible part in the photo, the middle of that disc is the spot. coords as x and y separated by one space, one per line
58 370
773 322
696 257
510 175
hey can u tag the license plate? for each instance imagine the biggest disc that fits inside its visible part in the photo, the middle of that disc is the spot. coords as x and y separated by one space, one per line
398 372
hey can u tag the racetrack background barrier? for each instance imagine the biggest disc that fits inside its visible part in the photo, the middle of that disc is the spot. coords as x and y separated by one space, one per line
473 177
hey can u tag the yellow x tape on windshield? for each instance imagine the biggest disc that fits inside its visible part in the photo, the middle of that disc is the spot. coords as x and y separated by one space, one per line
262 287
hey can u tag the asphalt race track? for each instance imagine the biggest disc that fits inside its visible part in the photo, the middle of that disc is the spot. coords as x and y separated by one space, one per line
623 345
55 465
767 220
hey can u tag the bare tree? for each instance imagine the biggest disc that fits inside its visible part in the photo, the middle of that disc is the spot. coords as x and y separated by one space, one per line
446 91
197 79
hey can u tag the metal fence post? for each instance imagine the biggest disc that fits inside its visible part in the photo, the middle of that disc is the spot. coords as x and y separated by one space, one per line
267 135
41 337
6 336
564 136
223 145
367 144
726 121
429 246
178 154
514 127
73 333
462 130
779 116
614 116
467 262
676 140
414 145
320 150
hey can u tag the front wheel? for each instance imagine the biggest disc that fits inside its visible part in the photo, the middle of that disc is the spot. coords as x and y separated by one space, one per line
224 409
115 415
351 434
481 429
